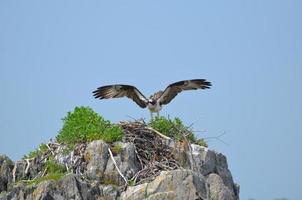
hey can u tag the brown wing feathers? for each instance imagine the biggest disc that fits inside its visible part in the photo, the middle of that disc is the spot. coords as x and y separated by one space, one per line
116 91
173 89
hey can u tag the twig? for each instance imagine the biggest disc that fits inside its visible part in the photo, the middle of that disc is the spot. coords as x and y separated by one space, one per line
138 157
44 172
66 165
50 149
114 162
28 165
14 172
218 138
158 133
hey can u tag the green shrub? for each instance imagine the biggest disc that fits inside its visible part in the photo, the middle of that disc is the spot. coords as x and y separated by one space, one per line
83 124
54 168
42 149
55 171
202 142
175 128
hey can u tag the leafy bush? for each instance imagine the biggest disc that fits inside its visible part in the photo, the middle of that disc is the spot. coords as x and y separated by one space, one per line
83 124
54 168
202 142
55 171
175 128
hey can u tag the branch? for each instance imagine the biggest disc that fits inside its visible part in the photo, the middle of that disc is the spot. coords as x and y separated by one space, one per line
114 162
28 164
14 172
50 149
158 133
218 138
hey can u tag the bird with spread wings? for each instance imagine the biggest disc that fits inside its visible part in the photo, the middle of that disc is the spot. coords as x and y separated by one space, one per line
155 101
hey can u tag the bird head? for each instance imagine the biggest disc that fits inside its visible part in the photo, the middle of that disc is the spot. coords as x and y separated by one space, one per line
152 101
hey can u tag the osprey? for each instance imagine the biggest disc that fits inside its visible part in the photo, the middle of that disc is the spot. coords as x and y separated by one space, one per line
155 101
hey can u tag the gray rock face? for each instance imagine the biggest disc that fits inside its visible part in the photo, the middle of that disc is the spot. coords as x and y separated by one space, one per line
6 168
208 162
177 184
204 175
97 156
126 162
219 191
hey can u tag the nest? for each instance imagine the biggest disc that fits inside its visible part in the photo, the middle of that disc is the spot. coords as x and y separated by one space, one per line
152 153
151 150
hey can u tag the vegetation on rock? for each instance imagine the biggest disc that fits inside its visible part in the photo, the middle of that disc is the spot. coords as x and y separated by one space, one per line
117 148
85 125
174 128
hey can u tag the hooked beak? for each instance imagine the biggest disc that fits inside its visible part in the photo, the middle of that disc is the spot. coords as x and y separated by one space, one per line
151 101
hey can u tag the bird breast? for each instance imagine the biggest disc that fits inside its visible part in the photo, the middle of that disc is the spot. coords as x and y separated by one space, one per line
154 108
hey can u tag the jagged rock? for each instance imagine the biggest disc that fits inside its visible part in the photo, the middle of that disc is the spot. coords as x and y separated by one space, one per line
46 190
19 170
126 162
208 161
97 156
177 184
72 187
199 173
6 176
218 191
19 192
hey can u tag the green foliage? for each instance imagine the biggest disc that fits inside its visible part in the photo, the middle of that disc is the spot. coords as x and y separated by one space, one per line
54 168
83 124
116 149
51 176
42 149
175 128
202 142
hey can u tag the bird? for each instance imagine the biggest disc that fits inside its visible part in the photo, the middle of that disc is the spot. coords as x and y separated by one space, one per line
155 101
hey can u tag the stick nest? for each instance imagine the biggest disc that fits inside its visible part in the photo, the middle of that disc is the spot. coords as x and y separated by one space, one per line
151 150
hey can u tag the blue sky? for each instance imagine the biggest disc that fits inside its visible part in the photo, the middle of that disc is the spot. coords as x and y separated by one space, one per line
53 54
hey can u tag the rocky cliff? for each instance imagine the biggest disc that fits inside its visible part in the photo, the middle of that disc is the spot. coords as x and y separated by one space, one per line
145 165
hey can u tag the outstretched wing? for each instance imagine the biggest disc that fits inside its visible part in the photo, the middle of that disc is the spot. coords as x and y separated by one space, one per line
117 91
173 89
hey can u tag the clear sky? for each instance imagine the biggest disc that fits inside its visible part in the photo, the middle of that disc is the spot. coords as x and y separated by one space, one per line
53 54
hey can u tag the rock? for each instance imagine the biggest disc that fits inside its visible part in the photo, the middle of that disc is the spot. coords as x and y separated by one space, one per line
19 192
72 187
109 192
177 184
218 191
127 163
6 176
208 161
97 156
19 170
47 190
196 172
